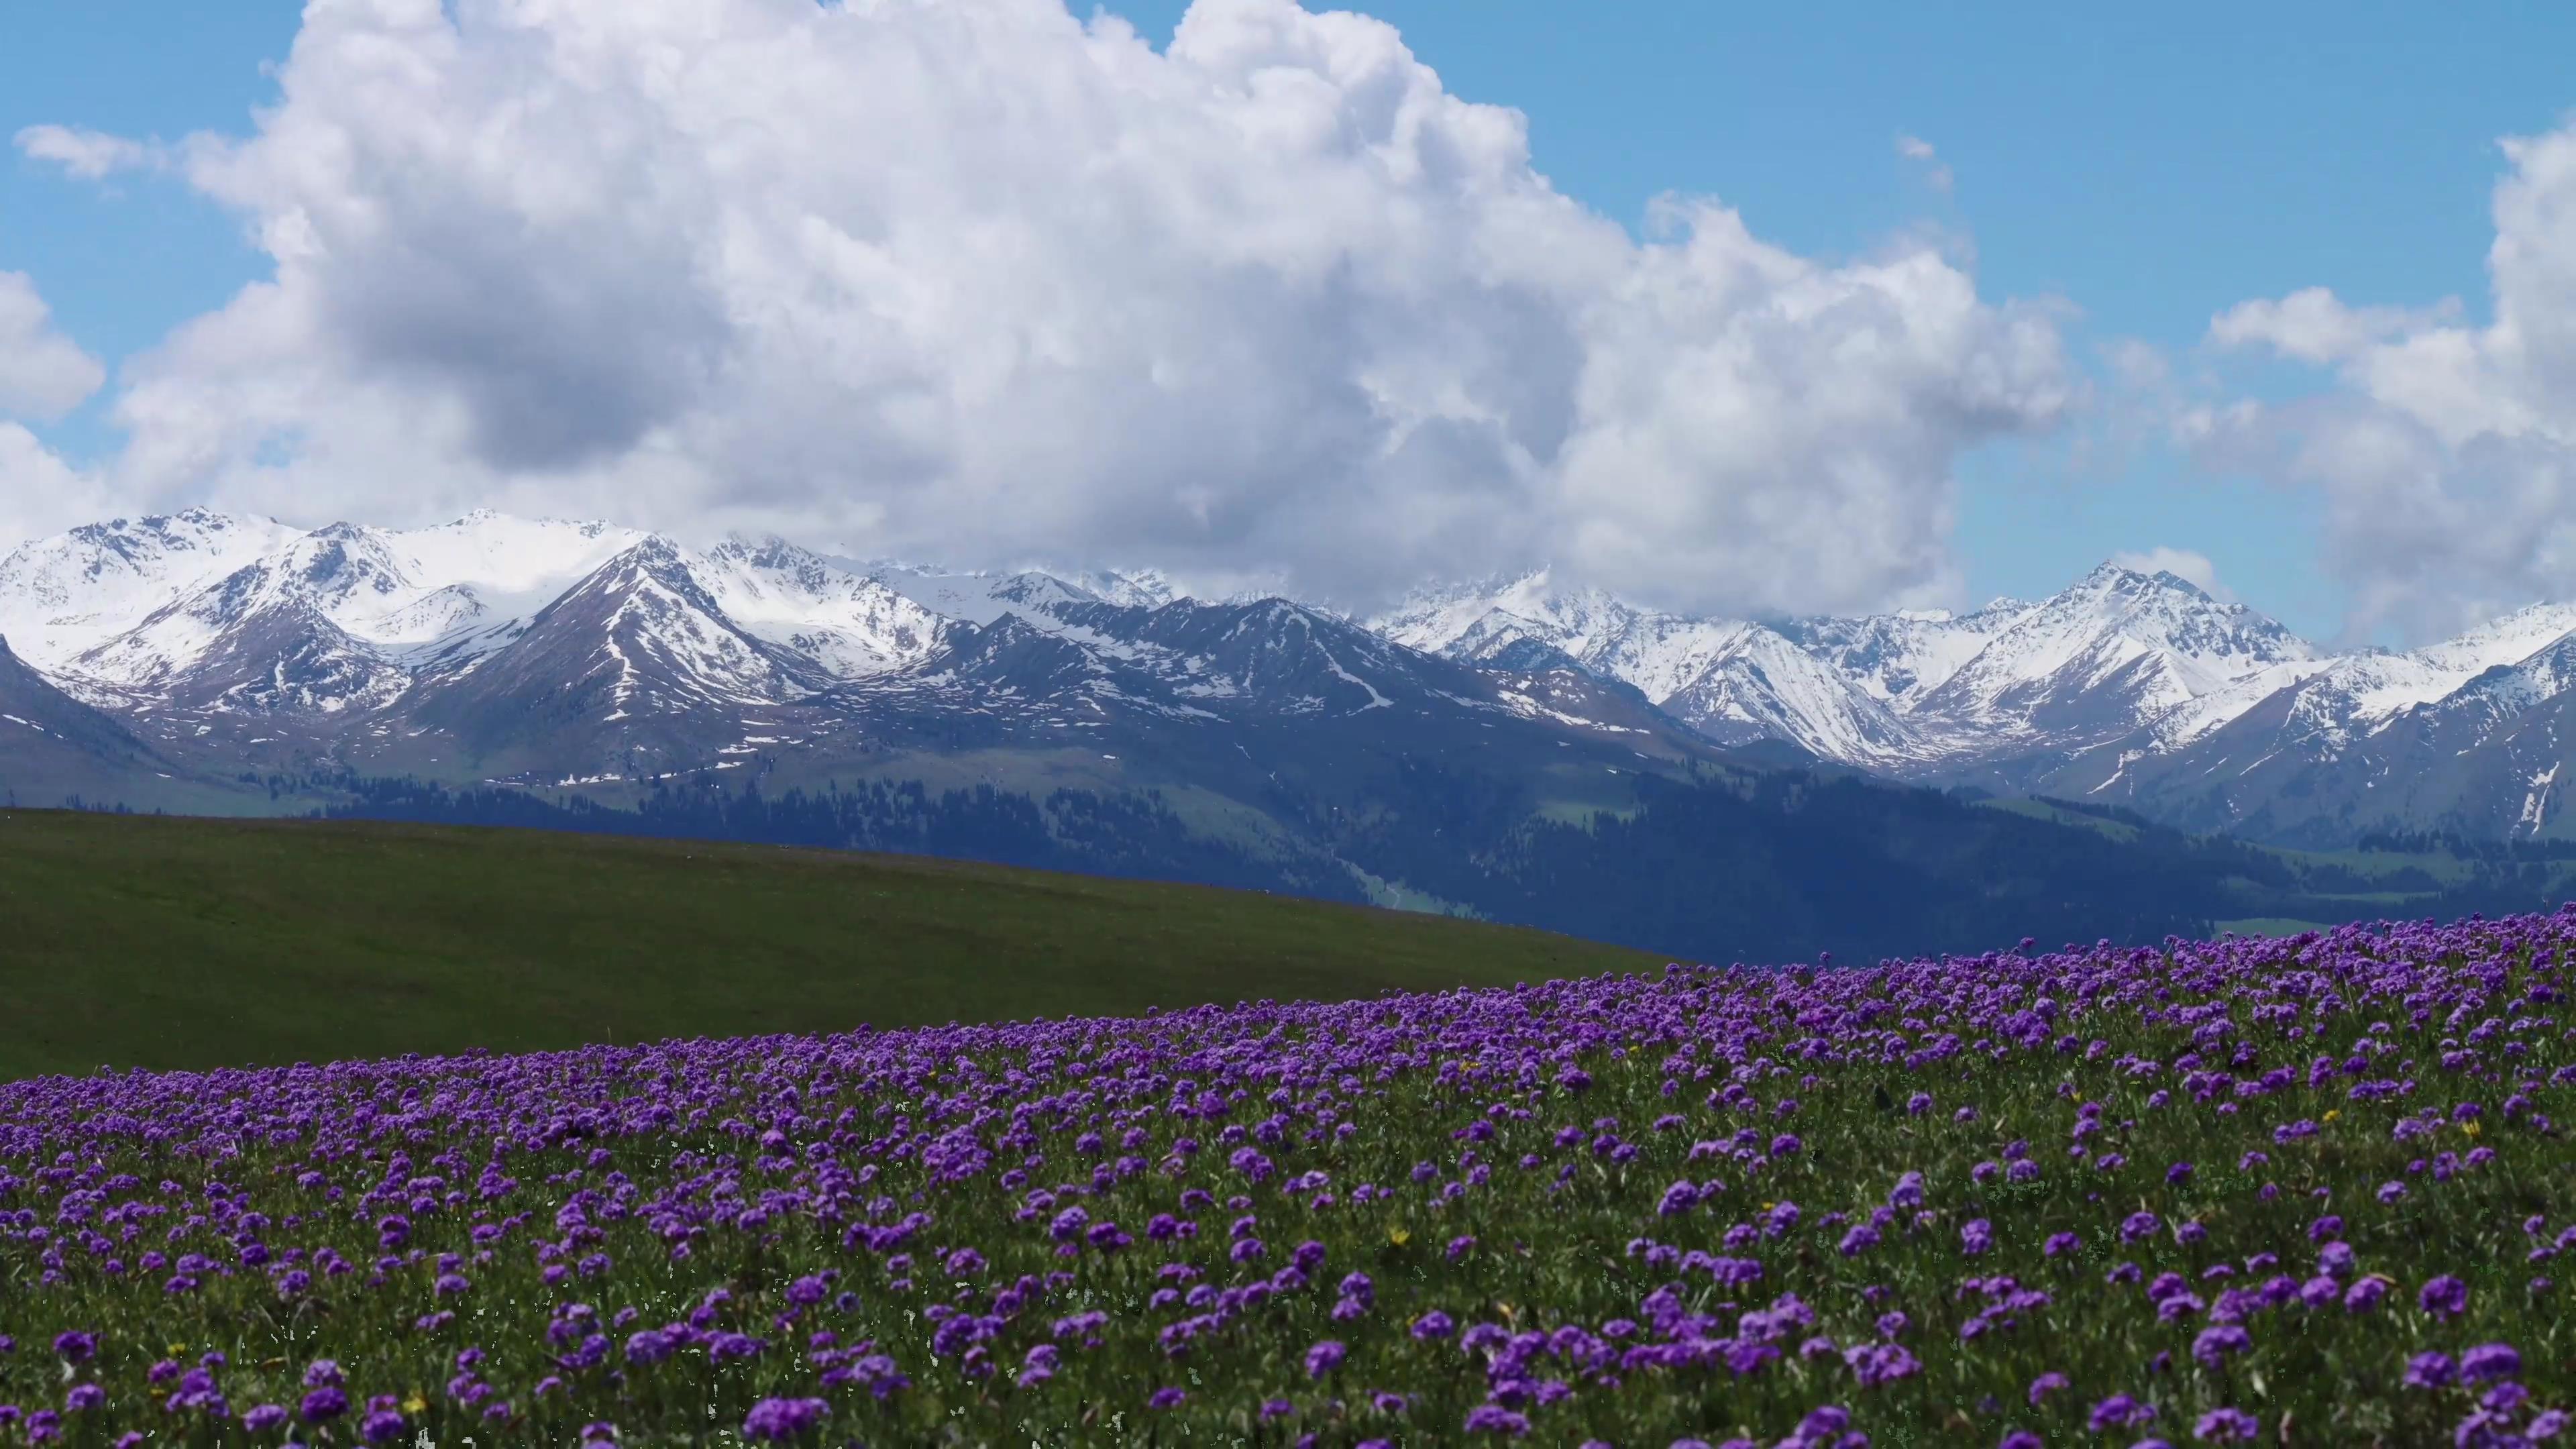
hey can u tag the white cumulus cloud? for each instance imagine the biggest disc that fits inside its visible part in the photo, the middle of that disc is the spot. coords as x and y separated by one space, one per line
43 374
2446 453
2313 325
40 493
978 280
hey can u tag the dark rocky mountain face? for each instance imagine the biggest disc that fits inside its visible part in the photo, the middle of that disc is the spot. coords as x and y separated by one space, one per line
54 747
31 702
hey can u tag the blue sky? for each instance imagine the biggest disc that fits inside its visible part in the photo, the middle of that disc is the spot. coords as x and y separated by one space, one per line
2151 166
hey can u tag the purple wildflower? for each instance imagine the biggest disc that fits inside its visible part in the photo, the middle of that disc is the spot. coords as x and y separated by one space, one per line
779 1420
2444 1297
2431 1371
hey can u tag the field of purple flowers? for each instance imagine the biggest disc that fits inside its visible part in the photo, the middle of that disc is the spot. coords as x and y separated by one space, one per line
2303 1191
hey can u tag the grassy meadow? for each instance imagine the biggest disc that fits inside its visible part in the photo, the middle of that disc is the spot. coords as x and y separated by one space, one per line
165 943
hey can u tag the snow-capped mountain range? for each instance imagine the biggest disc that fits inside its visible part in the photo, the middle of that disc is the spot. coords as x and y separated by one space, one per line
504 649
590 651
1915 693
2132 688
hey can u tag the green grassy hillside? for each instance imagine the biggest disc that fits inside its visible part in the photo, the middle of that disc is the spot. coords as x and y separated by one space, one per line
136 941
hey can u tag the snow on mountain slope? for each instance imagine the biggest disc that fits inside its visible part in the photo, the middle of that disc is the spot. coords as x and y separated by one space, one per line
640 636
263 638
1270 653
359 612
2481 704
979 597
2308 765
1042 599
648 612
1935 684
1910 692
1136 588
2196 718
849 624
2508 639
272 616
2422 676
483 569
1270 659
2545 673
1656 653
1765 685
64 595
2494 704
975 598
360 606
2117 649
2355 696
1435 617
1899 658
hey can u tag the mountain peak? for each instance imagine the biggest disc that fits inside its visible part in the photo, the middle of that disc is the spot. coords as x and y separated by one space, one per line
2179 584
2112 574
67 594
197 515
652 551
2101 659
1146 588
763 550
